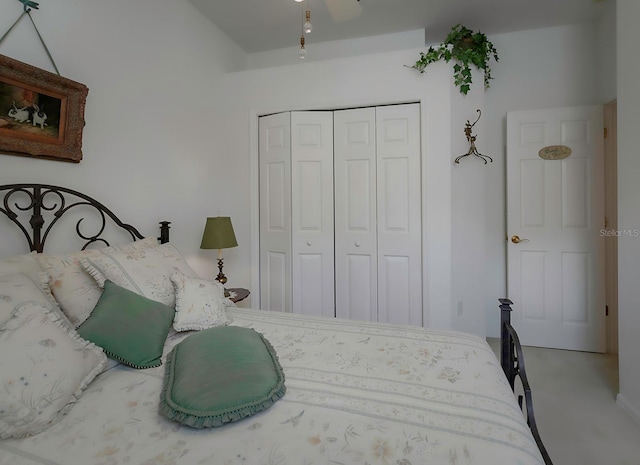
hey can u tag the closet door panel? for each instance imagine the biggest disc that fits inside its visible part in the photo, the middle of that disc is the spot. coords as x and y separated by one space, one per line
359 216
399 214
274 134
275 286
359 288
312 212
355 214
396 306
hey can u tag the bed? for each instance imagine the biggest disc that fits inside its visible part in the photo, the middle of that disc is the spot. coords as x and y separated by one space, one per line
356 392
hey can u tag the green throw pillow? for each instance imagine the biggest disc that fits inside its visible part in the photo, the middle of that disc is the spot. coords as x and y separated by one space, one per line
220 375
129 327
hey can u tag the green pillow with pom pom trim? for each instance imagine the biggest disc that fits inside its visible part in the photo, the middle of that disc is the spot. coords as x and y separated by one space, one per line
131 328
220 375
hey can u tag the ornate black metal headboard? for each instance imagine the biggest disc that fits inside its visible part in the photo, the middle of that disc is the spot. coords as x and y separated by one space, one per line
48 203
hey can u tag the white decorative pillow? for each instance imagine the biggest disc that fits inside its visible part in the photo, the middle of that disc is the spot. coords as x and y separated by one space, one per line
44 367
26 263
200 304
76 291
146 271
16 289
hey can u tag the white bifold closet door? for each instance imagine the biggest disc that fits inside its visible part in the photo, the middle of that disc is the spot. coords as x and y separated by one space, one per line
340 213
378 214
296 212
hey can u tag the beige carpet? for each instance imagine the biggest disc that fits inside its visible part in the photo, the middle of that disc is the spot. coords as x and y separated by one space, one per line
574 397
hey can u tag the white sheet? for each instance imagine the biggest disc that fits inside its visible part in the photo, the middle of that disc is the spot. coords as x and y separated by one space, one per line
357 393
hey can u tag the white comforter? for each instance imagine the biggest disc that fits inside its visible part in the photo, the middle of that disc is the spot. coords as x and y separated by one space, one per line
357 393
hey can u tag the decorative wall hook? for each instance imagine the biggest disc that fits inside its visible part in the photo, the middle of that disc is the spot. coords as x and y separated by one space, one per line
28 4
472 142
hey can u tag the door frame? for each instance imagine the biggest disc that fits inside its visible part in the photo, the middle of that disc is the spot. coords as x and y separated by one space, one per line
436 178
611 215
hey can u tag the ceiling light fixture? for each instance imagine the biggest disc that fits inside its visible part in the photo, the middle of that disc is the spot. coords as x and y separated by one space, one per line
302 53
308 27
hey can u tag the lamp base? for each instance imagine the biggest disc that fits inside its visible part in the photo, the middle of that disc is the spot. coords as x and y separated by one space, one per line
221 278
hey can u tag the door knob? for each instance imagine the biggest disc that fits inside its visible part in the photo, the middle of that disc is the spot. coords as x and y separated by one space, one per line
357 244
308 243
517 239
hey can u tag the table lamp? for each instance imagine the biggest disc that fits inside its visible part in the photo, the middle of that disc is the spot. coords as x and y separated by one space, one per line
218 234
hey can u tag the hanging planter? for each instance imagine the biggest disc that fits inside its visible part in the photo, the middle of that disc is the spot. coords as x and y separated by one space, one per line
466 48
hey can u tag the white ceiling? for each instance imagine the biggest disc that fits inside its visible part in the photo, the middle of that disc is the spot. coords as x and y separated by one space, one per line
261 25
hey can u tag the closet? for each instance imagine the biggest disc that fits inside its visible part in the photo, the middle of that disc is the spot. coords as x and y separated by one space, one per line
340 213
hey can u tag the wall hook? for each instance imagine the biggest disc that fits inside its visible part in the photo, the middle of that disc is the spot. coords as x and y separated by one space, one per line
472 142
29 4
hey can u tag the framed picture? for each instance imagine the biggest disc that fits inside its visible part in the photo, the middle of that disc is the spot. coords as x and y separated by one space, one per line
41 113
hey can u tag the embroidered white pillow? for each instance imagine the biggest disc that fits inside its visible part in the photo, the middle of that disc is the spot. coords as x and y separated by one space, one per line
76 291
26 263
145 271
44 367
200 304
17 289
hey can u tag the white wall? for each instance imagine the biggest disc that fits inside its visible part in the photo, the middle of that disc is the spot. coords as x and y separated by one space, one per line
352 82
628 212
336 49
152 68
468 255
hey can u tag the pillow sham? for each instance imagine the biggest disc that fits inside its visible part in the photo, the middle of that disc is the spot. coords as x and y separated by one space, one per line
129 327
44 367
145 271
26 263
220 375
200 304
17 289
75 291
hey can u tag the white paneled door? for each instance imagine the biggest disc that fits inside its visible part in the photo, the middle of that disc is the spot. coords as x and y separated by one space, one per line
356 217
312 212
378 214
555 214
275 212
399 217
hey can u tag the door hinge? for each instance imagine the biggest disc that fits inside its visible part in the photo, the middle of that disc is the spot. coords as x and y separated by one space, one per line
606 310
606 133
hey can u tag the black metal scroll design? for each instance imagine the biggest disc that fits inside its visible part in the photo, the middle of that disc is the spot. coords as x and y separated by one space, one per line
512 361
53 202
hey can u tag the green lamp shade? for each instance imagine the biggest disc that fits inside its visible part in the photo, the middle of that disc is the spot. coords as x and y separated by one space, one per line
218 234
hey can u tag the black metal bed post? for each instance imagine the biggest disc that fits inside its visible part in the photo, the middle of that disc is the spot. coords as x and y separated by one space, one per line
507 355
512 361
37 221
164 231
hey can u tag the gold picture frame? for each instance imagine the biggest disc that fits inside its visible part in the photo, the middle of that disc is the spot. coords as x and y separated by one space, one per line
41 113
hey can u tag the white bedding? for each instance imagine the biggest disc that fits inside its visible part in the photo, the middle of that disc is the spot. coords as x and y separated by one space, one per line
357 393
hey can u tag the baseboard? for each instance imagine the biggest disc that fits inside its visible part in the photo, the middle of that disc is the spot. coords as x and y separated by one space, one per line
628 408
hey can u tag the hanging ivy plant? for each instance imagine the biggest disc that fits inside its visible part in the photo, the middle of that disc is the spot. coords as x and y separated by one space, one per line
466 48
